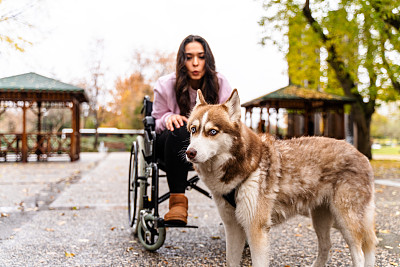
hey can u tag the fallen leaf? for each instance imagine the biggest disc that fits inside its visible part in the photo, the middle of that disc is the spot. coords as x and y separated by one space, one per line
49 229
384 231
61 223
299 235
4 215
388 247
215 237
113 228
69 255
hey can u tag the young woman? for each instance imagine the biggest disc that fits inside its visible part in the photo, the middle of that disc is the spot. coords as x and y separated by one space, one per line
174 97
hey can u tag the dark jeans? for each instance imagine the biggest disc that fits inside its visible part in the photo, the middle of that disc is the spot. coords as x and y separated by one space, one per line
171 148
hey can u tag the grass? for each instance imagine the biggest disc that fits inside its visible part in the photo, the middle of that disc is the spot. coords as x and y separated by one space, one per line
87 142
387 150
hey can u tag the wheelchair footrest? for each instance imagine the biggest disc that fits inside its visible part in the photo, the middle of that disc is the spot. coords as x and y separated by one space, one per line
179 226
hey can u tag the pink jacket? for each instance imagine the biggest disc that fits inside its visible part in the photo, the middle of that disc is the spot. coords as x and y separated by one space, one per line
165 104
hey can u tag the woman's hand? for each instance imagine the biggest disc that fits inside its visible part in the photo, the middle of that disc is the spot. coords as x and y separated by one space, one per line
175 120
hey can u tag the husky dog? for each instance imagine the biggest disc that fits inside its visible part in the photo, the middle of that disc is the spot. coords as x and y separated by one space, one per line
273 180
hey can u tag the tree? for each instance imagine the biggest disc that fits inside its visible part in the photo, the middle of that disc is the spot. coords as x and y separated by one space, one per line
95 87
386 126
129 92
360 43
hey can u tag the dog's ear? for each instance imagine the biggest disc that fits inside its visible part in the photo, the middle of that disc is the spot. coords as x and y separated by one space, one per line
233 105
200 99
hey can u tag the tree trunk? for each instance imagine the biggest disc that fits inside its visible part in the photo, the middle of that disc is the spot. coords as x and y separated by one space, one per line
363 124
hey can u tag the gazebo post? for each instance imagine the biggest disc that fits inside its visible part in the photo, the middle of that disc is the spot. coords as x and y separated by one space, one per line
24 135
39 144
74 153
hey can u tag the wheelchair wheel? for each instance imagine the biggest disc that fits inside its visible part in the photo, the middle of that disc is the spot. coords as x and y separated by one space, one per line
136 187
150 237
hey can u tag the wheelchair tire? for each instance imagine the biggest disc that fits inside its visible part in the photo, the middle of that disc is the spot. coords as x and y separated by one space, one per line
154 238
136 187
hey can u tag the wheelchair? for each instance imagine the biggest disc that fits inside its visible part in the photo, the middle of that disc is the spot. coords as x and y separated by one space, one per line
143 187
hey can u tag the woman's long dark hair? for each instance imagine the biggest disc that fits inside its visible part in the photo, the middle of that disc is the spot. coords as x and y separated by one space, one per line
209 83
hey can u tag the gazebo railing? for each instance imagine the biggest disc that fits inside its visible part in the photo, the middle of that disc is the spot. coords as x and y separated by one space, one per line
43 145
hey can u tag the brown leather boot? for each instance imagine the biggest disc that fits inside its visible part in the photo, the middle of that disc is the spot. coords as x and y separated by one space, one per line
178 207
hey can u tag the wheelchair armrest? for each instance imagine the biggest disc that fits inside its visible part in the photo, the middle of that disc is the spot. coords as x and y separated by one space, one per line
149 122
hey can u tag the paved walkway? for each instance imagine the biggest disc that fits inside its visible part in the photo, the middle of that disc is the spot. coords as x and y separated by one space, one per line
75 214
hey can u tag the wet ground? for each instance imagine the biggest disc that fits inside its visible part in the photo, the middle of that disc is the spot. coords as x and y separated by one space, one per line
75 214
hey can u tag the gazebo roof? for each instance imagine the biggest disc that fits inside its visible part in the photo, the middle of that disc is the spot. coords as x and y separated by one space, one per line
32 86
293 96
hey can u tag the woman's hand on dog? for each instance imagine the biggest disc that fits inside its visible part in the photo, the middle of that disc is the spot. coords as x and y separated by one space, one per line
175 121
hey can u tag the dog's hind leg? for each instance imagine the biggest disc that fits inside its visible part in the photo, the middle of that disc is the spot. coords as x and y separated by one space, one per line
322 221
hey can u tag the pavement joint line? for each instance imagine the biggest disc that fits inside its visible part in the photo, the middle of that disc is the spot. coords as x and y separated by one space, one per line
387 182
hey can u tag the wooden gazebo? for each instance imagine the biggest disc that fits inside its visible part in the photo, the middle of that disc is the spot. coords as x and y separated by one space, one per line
309 112
36 92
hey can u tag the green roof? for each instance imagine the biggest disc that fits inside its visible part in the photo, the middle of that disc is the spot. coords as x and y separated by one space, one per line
296 93
32 82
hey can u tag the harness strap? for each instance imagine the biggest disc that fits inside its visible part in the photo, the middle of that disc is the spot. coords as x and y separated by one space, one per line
230 197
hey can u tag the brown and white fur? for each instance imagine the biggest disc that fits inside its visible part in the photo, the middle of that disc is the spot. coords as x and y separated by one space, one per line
277 179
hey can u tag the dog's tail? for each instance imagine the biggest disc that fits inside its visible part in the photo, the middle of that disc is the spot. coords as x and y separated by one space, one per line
370 241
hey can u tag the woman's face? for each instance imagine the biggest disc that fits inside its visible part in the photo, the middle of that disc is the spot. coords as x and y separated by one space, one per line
195 60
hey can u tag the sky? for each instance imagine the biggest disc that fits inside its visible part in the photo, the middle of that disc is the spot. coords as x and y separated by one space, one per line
65 31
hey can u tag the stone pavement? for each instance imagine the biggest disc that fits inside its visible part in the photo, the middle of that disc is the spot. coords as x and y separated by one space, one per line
75 214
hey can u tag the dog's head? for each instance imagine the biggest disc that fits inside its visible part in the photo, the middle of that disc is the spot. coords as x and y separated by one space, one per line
213 128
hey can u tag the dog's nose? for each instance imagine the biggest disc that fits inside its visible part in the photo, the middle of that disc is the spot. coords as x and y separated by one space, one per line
191 153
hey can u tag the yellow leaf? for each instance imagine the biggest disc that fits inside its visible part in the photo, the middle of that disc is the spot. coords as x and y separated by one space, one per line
384 231
69 255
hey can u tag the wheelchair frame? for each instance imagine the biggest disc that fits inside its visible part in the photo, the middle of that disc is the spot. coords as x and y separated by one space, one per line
144 170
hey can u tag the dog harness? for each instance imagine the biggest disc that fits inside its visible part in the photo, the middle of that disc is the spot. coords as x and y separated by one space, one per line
230 197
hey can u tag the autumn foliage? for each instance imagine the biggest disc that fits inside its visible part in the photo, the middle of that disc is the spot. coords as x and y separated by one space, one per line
128 97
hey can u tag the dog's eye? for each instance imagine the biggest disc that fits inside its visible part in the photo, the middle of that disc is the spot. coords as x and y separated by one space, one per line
212 132
193 129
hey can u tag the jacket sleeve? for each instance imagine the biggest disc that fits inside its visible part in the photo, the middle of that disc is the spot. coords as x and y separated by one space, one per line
225 89
161 111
